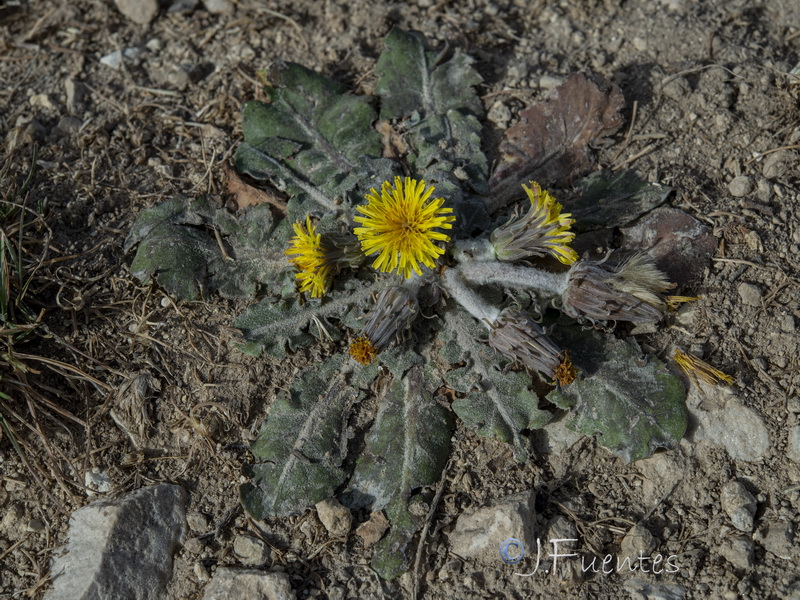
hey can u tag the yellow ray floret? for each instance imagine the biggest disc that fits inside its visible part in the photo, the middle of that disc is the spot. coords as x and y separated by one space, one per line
693 366
400 225
306 254
546 216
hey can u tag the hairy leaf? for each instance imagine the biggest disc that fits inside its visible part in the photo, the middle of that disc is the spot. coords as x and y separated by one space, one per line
314 141
613 200
407 446
436 97
274 325
633 403
497 404
192 247
550 142
302 444
406 449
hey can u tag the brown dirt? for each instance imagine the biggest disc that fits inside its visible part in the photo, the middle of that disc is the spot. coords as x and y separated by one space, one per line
708 85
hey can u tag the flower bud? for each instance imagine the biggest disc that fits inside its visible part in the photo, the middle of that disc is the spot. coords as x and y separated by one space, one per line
518 337
394 311
630 291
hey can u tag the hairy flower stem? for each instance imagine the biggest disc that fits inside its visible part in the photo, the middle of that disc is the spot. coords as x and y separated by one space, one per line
487 272
454 284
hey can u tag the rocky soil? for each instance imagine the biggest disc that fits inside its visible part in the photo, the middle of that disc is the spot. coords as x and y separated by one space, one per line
136 102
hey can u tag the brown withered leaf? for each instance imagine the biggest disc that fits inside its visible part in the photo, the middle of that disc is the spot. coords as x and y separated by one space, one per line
550 142
245 194
680 244
393 144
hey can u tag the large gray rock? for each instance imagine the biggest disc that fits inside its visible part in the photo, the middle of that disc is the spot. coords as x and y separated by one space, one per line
121 548
248 583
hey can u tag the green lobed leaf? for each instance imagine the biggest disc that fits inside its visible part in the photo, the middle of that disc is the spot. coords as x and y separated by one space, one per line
302 443
178 248
497 404
613 200
633 403
408 444
275 325
314 141
406 449
436 96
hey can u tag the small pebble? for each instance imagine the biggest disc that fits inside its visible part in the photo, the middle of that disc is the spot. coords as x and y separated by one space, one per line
740 505
193 545
138 11
251 550
219 7
749 294
740 186
336 518
197 521
42 101
738 551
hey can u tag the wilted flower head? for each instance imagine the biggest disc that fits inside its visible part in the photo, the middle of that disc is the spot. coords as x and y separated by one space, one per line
543 230
518 337
394 311
319 256
627 292
694 366
400 224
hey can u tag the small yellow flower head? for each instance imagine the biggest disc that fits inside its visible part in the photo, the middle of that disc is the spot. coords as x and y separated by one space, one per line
543 230
400 225
394 311
565 373
306 253
362 350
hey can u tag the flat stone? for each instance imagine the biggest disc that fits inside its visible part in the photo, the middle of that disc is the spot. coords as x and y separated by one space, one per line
251 550
372 530
478 535
42 101
793 451
640 589
638 541
779 540
114 59
740 186
727 423
739 504
121 548
197 521
334 517
776 164
749 294
230 583
738 551
219 7
138 11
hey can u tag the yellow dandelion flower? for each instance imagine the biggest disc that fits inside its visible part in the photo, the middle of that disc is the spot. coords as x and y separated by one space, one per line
694 366
306 253
400 225
544 229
